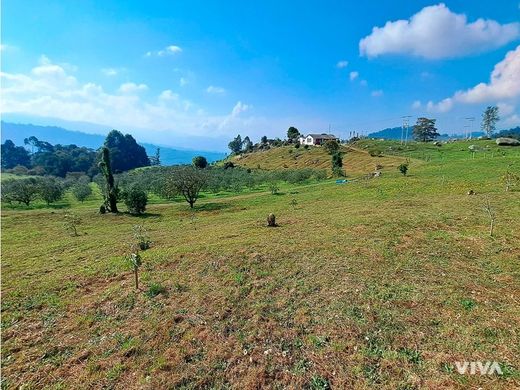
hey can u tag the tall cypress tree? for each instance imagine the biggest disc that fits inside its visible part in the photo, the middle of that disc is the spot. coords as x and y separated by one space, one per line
110 194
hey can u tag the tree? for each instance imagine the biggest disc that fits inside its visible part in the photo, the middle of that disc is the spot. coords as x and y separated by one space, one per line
14 155
331 146
337 164
247 145
263 140
424 130
236 145
403 168
81 191
187 181
489 120
20 190
125 152
200 162
110 192
135 199
293 134
50 190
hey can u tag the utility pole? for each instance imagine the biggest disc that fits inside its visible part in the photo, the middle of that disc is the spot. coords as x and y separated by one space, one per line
405 125
471 119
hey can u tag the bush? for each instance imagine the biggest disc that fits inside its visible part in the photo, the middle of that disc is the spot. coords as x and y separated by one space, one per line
297 145
200 162
135 200
229 164
20 190
50 190
142 238
273 187
70 223
403 168
81 191
155 289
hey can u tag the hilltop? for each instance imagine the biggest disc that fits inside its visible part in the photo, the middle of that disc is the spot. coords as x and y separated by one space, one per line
356 161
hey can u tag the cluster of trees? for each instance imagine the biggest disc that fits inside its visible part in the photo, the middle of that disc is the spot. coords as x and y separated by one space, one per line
46 159
42 158
49 189
239 145
188 181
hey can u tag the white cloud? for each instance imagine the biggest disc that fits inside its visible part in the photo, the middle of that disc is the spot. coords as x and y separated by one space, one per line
109 71
342 64
504 84
215 90
132 88
353 75
416 105
513 121
48 90
168 50
505 109
377 93
183 81
436 32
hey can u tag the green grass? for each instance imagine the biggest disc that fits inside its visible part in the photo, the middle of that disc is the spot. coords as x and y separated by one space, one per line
377 283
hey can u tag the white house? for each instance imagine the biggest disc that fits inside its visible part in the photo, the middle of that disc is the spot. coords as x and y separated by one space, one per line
317 139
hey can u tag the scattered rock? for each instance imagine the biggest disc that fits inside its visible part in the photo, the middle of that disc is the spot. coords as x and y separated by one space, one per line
271 220
376 174
471 192
437 143
504 141
473 148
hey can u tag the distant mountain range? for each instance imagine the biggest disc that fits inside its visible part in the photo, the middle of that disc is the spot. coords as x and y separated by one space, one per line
397 133
17 132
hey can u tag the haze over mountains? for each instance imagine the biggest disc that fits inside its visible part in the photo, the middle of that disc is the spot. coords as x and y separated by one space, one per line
17 132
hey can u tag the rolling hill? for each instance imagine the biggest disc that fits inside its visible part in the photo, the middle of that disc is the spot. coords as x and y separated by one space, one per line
356 161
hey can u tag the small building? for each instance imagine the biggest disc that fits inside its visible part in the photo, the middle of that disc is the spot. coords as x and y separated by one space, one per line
317 139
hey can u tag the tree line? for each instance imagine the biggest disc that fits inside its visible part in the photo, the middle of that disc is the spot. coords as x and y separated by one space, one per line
38 157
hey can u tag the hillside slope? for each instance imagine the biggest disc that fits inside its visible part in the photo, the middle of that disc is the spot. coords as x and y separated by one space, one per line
355 161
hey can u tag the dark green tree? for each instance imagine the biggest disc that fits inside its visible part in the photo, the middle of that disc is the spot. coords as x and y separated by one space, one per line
156 159
125 152
110 192
331 146
14 155
293 134
199 162
424 130
236 145
135 199
263 140
247 145
489 120
337 164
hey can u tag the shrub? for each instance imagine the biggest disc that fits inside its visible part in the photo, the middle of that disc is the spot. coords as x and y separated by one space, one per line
155 289
200 162
71 222
273 187
403 168
20 190
320 175
81 191
50 190
141 236
229 164
297 145
306 147
135 200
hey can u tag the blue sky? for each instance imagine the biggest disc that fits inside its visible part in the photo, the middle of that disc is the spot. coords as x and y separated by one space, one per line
171 72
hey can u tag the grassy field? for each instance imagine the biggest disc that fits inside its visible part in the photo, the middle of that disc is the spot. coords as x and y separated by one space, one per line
381 283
